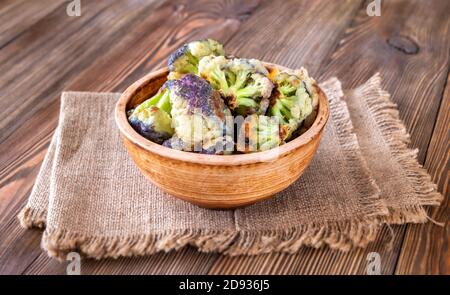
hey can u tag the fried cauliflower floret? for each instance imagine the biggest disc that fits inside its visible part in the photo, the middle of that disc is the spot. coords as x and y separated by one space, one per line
198 117
242 82
185 59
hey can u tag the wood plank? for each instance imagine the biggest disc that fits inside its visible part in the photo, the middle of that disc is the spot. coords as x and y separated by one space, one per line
87 78
415 82
16 16
308 260
302 33
365 50
185 261
6 5
147 46
425 249
36 71
27 140
130 56
235 47
287 9
121 72
19 166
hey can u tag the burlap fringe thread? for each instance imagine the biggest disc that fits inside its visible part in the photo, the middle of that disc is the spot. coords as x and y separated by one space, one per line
337 235
32 218
387 117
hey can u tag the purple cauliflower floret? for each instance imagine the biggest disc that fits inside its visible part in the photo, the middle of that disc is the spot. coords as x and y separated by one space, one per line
199 117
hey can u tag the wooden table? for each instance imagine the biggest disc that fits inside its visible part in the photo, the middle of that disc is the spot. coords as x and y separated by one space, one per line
43 51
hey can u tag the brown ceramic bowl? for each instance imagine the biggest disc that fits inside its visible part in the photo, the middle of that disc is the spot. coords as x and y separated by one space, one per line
216 181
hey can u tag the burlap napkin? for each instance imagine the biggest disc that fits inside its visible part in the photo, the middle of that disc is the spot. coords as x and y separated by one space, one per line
91 198
405 185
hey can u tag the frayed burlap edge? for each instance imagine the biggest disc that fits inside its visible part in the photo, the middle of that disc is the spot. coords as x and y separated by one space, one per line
387 118
32 218
337 235
340 235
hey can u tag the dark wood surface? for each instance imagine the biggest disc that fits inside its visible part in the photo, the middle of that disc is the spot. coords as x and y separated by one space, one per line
43 51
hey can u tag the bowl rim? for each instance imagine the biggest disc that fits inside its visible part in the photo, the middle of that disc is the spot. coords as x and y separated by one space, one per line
218 160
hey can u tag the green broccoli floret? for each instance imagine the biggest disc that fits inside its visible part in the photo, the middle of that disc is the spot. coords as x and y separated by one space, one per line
152 118
185 59
292 100
242 82
259 133
212 69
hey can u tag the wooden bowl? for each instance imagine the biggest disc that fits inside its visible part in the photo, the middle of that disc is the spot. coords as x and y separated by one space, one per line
216 181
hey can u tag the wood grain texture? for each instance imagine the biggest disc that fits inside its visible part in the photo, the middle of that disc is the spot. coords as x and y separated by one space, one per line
130 55
52 52
409 78
185 261
18 15
294 33
310 261
364 50
415 81
17 166
425 249
67 45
